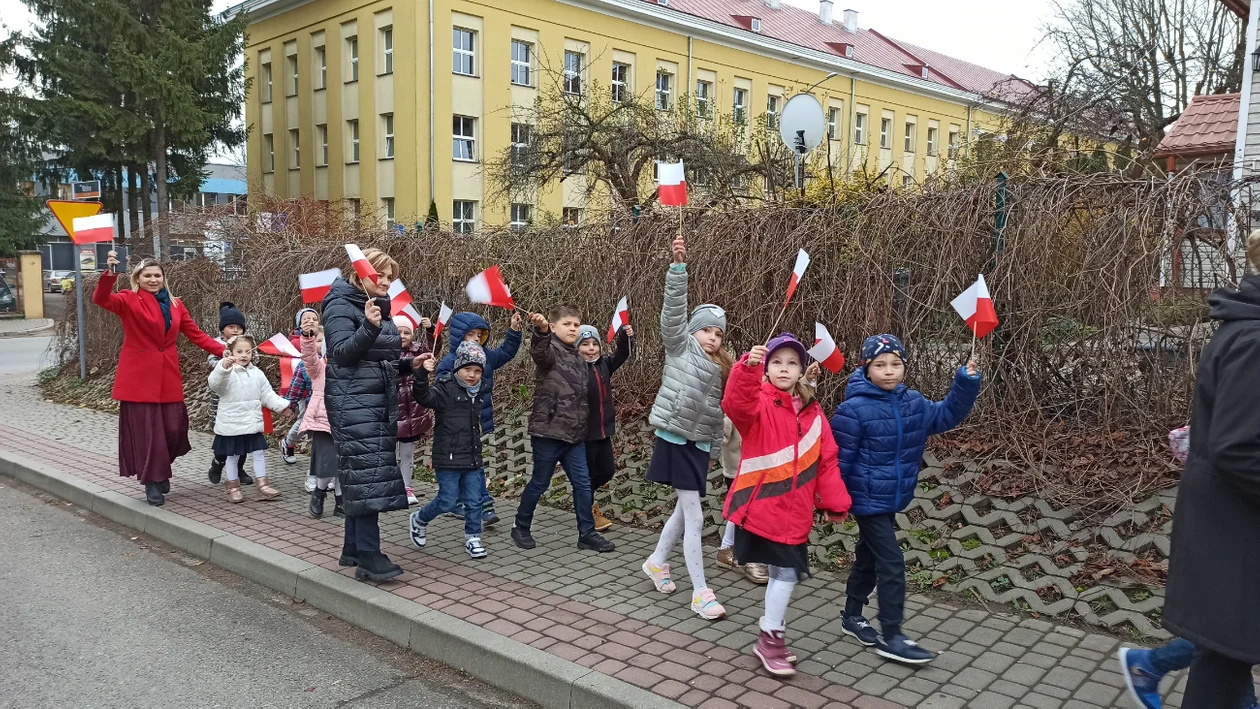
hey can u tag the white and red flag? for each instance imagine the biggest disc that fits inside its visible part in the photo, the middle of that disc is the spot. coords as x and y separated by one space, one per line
288 367
399 298
316 285
444 316
798 272
621 318
825 350
975 306
362 266
673 183
488 288
279 346
89 230
409 312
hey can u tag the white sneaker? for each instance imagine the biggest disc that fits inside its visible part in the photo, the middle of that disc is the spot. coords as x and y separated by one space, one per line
475 550
310 483
419 532
411 497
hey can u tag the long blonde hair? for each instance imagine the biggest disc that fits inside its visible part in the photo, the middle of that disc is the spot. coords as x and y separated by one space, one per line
379 260
149 263
1253 250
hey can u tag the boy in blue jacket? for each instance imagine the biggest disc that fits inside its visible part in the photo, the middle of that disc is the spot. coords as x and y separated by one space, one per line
471 327
882 428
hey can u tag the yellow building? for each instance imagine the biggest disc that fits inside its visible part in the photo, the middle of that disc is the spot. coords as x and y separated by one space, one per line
393 104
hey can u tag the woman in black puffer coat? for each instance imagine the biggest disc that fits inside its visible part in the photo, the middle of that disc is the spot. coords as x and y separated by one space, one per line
361 396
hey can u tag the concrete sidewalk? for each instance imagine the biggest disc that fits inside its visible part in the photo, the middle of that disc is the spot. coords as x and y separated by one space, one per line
559 626
19 327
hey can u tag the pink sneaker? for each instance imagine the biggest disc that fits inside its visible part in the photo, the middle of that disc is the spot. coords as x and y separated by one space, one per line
772 649
706 605
660 576
411 497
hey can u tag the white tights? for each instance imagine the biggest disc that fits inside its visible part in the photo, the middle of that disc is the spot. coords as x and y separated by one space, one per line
728 537
406 453
260 466
778 592
687 523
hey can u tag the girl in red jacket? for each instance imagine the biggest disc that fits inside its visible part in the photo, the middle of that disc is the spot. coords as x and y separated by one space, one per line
788 469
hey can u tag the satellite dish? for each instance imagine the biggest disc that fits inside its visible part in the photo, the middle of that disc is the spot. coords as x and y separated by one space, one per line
802 126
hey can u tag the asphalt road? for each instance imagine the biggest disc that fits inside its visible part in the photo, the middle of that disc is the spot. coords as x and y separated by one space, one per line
23 355
94 615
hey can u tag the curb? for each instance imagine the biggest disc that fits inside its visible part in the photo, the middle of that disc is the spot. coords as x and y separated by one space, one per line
502 662
28 333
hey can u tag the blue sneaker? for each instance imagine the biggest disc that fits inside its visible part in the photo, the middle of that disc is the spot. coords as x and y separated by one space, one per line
458 512
860 629
1140 677
901 649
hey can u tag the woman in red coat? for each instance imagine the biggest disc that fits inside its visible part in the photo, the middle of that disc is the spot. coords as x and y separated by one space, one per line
152 416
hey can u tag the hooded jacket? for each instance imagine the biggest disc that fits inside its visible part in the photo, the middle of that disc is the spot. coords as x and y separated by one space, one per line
459 326
1214 569
361 396
882 435
601 415
787 466
316 416
457 430
560 405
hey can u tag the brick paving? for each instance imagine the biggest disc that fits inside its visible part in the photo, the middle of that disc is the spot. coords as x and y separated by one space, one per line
599 611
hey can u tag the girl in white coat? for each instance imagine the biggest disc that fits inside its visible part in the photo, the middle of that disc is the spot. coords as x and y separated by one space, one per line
243 390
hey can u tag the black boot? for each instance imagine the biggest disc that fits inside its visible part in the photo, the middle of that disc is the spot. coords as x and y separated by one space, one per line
375 566
164 487
154 495
349 556
317 502
216 471
240 465
338 510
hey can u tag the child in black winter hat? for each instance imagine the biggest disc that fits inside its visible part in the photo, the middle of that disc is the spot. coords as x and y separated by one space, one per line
231 324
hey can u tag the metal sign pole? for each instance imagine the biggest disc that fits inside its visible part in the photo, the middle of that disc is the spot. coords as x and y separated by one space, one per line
78 296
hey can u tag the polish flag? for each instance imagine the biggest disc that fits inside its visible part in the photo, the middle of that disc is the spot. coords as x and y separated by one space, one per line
399 298
488 288
621 318
409 311
89 230
798 272
288 365
673 184
975 306
279 346
316 285
444 316
268 427
361 264
825 350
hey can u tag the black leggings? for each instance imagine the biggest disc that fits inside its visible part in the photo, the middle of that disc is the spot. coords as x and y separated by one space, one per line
1216 681
600 461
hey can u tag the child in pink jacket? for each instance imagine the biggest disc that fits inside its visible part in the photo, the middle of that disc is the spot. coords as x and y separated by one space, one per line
315 423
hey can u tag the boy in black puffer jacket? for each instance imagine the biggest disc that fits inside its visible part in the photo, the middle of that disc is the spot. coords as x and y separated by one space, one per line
601 416
457 458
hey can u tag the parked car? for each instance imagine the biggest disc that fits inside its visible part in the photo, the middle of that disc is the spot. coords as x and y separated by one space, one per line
53 279
8 301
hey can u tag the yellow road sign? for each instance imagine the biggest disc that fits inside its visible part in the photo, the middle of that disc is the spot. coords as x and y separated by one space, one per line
67 211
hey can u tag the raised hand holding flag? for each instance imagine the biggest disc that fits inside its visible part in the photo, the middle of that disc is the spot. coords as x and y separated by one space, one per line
488 288
825 350
621 318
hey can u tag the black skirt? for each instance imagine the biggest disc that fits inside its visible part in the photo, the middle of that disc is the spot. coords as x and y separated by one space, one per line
681 467
239 445
753 549
323 455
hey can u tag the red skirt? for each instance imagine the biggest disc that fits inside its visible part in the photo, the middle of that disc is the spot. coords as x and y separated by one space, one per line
150 438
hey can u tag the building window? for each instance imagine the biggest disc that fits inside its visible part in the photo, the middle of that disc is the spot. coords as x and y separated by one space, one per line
573 73
387 121
321 132
662 91
269 151
953 143
388 204
293 74
772 112
387 50
463 55
521 134
571 216
907 181
704 92
264 72
859 129
522 63
356 208
620 82
465 145
321 67
297 151
353 127
352 51
932 141
520 216
464 216
912 135
885 127
737 109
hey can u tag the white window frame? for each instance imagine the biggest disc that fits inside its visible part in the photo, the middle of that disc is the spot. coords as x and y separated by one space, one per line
388 204
387 49
954 135
932 137
464 139
295 138
907 181
387 128
522 68
321 132
463 216
519 215
859 128
911 144
352 50
269 147
292 61
885 130
704 95
833 122
264 70
571 217
663 90
620 85
353 125
321 59
739 105
573 74
522 134
772 111
461 55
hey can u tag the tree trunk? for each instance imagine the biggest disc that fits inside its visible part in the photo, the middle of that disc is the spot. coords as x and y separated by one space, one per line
146 229
133 207
159 155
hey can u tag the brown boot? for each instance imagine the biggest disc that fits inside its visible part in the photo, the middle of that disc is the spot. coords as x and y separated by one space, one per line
265 491
726 558
234 492
602 523
757 573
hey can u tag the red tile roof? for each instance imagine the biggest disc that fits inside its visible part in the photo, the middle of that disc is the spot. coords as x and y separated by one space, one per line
801 27
1208 126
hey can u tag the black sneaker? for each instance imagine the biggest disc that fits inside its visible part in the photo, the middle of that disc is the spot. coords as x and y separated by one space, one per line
317 502
164 487
901 649
153 495
860 629
595 542
216 472
349 556
489 517
523 538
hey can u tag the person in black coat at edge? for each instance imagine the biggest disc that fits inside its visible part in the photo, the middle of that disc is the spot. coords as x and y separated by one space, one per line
361 396
1213 594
